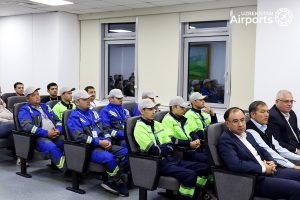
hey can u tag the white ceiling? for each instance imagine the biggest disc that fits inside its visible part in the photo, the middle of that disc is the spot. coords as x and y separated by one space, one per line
19 7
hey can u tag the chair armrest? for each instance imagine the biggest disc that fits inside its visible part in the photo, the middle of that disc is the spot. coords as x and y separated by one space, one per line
144 170
232 185
24 144
77 156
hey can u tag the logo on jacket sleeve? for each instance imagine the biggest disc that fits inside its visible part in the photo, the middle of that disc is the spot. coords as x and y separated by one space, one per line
113 113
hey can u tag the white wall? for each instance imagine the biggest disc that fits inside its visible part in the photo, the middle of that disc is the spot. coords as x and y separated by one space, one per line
38 49
277 54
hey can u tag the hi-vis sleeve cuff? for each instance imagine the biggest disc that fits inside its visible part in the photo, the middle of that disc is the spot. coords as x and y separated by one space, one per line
34 129
113 133
58 124
89 140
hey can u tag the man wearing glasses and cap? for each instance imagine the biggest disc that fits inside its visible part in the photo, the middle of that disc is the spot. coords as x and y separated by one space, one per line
145 95
154 140
283 122
85 126
199 119
114 115
65 103
38 119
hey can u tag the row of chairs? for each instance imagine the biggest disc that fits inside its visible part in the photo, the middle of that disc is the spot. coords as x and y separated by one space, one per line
144 168
77 154
229 185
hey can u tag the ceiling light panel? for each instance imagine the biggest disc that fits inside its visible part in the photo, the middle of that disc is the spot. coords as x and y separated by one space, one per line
53 2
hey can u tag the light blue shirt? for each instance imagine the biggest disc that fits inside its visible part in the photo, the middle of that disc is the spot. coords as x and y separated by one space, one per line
283 154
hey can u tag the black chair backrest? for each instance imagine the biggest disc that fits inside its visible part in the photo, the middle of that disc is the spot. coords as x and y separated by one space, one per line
160 115
129 106
65 118
129 137
11 101
15 114
52 103
6 95
213 133
98 108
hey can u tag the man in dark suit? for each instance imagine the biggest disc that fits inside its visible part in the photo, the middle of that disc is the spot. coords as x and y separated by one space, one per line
283 122
241 153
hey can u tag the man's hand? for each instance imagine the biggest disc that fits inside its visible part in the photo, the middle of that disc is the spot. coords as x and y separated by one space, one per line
53 133
296 167
105 144
209 110
270 167
195 144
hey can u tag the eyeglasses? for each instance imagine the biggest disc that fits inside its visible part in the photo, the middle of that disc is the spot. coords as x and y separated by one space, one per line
236 121
287 101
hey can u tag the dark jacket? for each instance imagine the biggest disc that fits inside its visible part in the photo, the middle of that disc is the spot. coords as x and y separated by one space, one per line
236 155
281 130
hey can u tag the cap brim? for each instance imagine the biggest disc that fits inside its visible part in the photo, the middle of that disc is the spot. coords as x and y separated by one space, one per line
185 105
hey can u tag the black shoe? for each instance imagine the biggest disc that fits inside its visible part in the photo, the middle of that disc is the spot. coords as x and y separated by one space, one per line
110 186
123 190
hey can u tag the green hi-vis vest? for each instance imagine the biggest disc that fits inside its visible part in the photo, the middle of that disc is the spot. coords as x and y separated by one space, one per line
60 108
195 120
146 138
174 129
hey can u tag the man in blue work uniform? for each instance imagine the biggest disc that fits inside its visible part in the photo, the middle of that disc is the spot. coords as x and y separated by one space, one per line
114 115
85 126
154 140
38 119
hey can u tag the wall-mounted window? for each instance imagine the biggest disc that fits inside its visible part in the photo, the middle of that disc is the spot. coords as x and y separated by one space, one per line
205 61
119 58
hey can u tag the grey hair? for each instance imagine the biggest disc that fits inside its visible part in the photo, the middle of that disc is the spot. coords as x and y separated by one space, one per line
281 93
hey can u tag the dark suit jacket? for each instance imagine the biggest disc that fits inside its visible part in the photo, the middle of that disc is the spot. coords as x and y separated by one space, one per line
236 155
281 130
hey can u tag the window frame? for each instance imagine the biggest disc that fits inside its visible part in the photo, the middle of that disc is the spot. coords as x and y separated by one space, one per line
115 38
118 35
205 35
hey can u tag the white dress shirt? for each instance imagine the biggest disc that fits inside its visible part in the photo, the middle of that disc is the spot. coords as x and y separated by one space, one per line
249 146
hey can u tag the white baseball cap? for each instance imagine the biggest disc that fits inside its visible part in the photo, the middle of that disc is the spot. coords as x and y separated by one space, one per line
30 90
196 96
116 93
178 101
146 103
66 89
80 94
149 95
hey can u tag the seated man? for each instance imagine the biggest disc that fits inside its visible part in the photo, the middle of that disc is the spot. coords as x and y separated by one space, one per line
145 95
65 103
199 120
257 126
283 122
52 89
242 154
92 92
85 126
6 120
154 140
38 119
19 88
114 115
179 130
